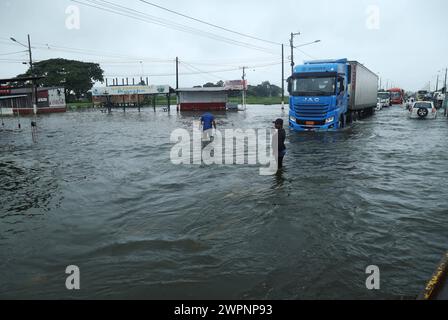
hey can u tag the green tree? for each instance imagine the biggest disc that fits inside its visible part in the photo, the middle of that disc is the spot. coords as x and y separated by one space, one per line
218 84
265 89
74 76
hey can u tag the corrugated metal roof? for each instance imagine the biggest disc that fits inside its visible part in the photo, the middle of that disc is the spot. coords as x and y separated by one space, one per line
12 97
23 79
212 89
30 90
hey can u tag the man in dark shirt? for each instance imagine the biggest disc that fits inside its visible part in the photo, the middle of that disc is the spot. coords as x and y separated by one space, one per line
279 142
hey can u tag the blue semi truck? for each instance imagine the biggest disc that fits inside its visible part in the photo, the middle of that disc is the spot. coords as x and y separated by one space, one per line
330 94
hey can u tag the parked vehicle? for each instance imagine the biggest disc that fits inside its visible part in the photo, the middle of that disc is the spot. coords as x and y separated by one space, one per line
423 110
379 105
396 95
385 98
421 95
329 94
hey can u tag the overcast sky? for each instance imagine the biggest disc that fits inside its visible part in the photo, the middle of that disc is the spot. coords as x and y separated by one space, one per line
405 41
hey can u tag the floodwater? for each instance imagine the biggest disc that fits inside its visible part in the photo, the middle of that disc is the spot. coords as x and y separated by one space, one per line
99 191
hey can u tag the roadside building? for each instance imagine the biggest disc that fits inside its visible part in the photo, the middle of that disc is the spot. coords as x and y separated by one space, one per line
203 99
20 100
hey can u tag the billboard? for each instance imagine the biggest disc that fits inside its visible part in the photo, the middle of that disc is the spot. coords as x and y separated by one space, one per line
236 85
56 98
42 99
129 90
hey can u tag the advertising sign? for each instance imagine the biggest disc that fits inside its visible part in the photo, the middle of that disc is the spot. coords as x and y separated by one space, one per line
236 85
56 98
130 90
42 98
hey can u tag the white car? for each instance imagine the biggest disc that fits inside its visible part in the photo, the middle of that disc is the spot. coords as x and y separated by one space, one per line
423 110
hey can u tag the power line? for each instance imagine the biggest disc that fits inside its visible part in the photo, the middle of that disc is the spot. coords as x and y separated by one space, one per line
209 24
201 71
183 28
50 47
236 64
10 53
141 16
193 72
309 56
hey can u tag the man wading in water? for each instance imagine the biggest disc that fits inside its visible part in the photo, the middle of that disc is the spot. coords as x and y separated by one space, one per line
278 143
208 123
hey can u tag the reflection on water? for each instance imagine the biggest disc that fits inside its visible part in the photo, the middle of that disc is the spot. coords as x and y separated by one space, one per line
99 191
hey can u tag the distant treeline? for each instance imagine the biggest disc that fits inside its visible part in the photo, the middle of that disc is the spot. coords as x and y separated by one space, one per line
263 90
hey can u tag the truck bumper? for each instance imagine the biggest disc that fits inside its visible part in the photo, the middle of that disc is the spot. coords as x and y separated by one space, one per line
303 128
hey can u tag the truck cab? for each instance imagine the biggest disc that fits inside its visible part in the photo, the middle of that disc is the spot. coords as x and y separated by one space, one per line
385 98
319 94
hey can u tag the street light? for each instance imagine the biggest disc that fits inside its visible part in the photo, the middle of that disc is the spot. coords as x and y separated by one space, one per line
18 42
291 41
307 44
299 46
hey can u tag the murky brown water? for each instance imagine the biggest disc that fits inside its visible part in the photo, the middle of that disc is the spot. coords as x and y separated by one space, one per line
98 191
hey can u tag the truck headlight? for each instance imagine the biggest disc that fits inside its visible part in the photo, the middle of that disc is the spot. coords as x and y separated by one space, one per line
329 120
292 119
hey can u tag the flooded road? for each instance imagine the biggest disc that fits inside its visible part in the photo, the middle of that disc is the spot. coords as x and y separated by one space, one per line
99 191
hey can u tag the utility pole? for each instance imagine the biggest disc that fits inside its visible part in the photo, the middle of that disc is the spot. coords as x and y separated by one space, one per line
177 83
446 73
283 76
437 84
32 74
292 50
244 88
177 73
34 89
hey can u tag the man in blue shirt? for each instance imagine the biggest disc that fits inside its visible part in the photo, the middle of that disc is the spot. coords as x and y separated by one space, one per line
208 123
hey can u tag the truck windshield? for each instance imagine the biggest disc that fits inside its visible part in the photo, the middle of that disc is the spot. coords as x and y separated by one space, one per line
384 95
395 95
314 86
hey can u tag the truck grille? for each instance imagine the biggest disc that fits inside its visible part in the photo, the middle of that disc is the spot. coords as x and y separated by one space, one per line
318 111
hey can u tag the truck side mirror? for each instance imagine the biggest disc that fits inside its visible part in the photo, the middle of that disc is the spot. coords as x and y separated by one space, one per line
289 80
